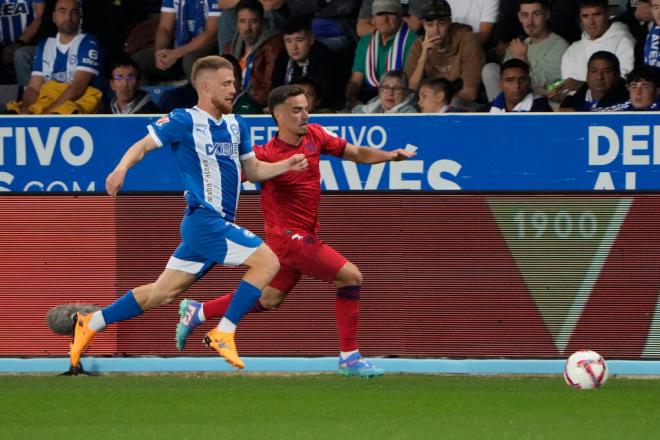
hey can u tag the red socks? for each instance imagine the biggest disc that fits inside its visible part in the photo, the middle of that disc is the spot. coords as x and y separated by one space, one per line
347 310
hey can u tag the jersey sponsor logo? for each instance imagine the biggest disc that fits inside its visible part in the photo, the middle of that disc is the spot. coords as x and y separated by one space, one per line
10 9
222 149
163 120
93 54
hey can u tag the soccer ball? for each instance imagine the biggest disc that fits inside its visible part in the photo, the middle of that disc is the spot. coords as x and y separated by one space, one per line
585 369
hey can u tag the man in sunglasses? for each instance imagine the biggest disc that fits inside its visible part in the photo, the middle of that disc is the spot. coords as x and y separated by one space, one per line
128 99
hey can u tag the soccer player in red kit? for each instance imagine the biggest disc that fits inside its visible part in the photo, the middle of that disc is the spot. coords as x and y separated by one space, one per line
290 206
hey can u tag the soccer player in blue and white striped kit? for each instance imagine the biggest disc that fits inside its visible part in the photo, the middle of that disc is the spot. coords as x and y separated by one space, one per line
210 146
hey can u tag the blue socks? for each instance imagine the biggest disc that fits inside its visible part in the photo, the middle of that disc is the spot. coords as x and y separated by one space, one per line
244 298
124 308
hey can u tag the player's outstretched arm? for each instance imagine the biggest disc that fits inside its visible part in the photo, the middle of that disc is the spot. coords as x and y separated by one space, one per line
133 155
372 155
257 170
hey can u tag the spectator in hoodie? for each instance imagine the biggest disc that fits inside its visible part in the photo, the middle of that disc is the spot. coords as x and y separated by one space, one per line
598 35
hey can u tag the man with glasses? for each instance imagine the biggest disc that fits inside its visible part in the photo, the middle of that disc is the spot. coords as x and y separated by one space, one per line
394 95
446 50
128 98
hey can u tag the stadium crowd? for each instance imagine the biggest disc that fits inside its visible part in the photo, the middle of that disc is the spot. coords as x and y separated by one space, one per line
360 56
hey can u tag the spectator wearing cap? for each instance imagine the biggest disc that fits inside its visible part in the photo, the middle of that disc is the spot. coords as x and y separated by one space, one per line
644 88
435 96
446 50
517 95
394 95
387 48
411 11
604 90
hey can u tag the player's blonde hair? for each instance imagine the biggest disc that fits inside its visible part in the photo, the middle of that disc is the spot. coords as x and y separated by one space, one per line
211 62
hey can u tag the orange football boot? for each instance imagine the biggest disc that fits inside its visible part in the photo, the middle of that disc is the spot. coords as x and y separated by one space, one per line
224 344
82 337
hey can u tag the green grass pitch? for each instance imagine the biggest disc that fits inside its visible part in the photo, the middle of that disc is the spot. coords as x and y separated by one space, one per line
247 406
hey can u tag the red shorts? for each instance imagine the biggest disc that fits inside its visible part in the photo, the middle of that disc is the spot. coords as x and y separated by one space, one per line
302 253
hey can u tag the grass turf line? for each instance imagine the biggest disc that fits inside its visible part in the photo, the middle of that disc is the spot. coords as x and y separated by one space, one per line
323 406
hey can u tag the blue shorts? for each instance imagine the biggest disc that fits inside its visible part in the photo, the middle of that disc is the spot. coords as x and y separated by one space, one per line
207 239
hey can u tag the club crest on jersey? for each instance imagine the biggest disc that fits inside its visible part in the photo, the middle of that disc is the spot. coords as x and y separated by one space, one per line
163 120
222 149
234 129
310 148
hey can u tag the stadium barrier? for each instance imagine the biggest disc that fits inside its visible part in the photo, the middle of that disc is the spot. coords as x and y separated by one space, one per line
491 243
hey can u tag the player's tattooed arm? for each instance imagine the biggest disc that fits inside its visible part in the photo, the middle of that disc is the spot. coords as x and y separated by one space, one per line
372 155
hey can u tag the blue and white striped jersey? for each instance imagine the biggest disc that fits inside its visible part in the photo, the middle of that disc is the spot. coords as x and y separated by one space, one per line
55 61
191 16
15 16
208 153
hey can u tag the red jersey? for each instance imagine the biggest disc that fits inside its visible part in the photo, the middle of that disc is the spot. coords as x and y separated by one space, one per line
291 200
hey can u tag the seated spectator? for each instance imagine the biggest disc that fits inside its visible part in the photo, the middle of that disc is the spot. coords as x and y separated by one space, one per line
394 95
186 31
480 15
644 87
447 50
435 96
387 48
64 81
306 57
652 44
313 95
517 95
542 49
604 90
19 23
598 35
332 21
411 14
124 81
256 46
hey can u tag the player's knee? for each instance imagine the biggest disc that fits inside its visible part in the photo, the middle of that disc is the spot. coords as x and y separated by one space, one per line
269 261
349 276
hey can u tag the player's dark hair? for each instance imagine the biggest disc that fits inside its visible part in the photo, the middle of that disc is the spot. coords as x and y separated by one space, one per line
280 94
514 63
543 3
211 62
123 61
297 23
593 3
606 56
439 85
252 5
644 72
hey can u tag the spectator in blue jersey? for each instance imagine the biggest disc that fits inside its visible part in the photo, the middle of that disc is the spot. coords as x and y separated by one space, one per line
652 44
186 31
256 46
19 23
644 87
387 48
211 147
65 73
604 90
307 57
517 95
128 99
